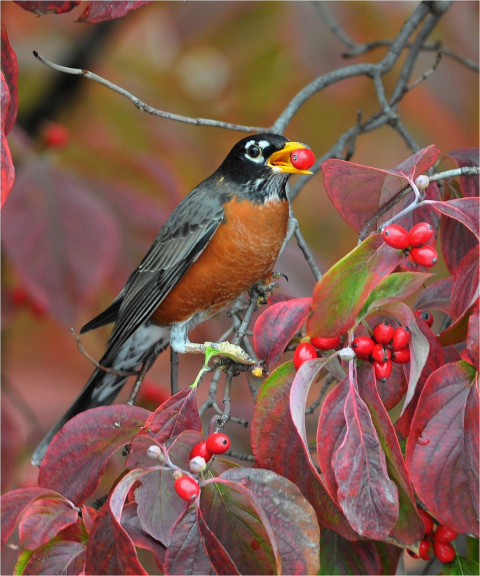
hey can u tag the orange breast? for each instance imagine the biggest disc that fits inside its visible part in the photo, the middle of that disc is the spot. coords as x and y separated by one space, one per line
242 252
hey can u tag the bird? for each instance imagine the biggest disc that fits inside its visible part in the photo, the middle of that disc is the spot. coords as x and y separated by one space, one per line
221 239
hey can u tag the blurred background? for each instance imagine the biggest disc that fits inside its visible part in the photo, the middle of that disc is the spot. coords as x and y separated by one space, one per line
91 206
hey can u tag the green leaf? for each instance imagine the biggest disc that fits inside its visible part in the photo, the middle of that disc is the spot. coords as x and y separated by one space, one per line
461 565
396 286
23 558
472 548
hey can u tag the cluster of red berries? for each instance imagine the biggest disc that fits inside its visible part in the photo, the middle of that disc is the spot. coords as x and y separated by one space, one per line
21 299
385 346
308 350
440 540
413 243
186 486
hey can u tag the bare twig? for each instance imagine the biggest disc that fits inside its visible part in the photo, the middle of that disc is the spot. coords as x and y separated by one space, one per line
305 248
240 456
173 371
145 368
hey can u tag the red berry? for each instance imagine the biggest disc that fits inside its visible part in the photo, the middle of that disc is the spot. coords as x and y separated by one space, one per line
444 534
383 332
382 369
426 316
363 346
427 520
424 256
56 136
412 554
401 356
380 354
218 443
201 450
326 343
396 236
19 296
302 159
444 551
420 234
303 352
400 338
187 487
423 550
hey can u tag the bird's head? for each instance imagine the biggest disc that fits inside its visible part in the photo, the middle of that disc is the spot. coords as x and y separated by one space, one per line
262 164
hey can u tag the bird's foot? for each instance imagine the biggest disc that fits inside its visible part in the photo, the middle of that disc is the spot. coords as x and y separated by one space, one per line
263 291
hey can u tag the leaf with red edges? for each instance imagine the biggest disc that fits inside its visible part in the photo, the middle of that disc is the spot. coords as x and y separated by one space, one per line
467 157
437 296
41 8
43 233
277 445
465 284
366 494
43 519
340 294
10 74
291 516
77 456
16 501
88 515
446 421
235 517
393 389
276 326
8 170
101 11
186 553
359 191
471 352
159 505
64 557
465 210
456 241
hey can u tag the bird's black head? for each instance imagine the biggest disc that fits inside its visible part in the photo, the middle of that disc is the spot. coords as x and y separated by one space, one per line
260 165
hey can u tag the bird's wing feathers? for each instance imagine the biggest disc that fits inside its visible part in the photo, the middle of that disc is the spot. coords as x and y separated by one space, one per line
179 243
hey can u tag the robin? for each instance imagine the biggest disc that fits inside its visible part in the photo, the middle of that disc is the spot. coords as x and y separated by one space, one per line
222 238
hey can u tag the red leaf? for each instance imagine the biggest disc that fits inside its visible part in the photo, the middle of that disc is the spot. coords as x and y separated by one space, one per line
456 242
10 74
366 494
471 352
392 391
186 553
57 558
77 456
340 294
467 157
292 518
41 8
14 504
277 445
8 170
442 466
436 296
465 284
276 326
44 236
43 519
358 191
465 210
101 11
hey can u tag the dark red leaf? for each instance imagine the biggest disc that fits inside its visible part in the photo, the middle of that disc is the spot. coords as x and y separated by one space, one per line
277 446
456 242
358 191
365 492
465 210
159 505
43 519
292 518
77 456
101 11
465 283
340 294
8 170
41 8
471 353
44 237
15 502
132 526
457 332
392 390
441 446
436 296
57 558
339 556
10 73
276 326
186 553
467 157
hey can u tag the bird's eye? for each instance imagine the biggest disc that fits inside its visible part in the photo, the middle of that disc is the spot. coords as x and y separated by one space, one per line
254 151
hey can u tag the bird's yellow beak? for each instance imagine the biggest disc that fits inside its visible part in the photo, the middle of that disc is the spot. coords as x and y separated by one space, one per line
280 161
